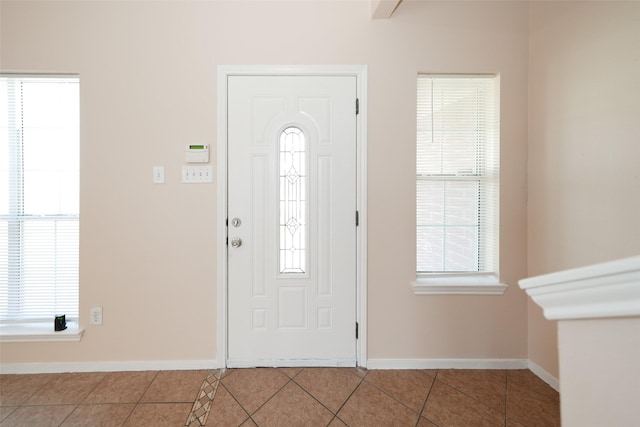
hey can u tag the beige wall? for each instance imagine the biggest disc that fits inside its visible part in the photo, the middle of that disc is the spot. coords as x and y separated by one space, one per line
148 86
584 144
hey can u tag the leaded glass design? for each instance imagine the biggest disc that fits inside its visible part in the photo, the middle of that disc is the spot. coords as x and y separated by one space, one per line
293 209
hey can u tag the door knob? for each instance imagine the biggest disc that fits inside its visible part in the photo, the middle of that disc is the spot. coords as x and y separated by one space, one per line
236 242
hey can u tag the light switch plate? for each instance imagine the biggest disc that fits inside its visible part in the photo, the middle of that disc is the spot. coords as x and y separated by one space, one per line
197 174
158 174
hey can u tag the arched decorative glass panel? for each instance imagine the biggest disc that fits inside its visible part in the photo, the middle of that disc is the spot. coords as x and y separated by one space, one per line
293 209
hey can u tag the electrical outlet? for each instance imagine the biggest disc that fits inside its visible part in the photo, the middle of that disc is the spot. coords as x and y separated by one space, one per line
95 316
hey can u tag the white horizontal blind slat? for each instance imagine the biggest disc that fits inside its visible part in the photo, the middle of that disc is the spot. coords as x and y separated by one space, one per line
457 172
39 198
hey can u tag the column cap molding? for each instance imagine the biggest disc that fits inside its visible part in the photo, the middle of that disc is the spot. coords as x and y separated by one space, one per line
608 289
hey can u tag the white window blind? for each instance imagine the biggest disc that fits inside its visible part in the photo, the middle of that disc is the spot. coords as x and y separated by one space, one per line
39 198
457 174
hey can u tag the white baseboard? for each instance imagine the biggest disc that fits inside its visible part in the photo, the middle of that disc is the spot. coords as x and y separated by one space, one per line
447 364
544 376
142 365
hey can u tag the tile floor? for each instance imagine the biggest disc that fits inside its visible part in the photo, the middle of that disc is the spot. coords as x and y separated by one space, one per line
280 397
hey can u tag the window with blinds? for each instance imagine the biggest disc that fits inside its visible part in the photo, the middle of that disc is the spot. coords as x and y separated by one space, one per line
39 198
457 174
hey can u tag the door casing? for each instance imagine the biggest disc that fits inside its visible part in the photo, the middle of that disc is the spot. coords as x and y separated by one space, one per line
360 72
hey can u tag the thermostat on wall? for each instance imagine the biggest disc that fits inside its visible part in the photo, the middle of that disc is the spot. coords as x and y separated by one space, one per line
197 153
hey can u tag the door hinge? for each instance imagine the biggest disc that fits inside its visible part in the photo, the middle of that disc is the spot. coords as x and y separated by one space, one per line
357 106
356 330
357 218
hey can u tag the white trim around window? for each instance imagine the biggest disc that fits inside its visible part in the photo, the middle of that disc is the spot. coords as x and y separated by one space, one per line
458 284
39 332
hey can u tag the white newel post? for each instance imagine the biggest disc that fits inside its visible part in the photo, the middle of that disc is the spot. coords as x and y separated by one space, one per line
598 313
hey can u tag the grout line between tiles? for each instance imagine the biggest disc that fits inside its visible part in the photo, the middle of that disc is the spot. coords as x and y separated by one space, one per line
309 393
40 388
269 399
313 397
387 394
536 391
75 405
135 404
237 401
37 389
249 415
148 387
92 390
350 395
424 404
6 415
469 396
529 390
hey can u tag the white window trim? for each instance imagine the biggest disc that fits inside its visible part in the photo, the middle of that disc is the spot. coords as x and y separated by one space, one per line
458 284
39 332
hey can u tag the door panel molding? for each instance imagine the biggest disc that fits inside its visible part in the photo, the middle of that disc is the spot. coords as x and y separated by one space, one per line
360 73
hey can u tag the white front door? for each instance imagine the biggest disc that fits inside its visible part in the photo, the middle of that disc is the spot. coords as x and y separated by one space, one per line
291 221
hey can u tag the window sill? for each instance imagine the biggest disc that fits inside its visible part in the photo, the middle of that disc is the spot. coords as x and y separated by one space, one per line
452 284
39 332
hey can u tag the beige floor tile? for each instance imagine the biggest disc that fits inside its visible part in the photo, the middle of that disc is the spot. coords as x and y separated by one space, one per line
175 386
225 411
368 406
40 416
6 410
226 372
448 407
66 389
292 406
283 396
16 389
121 387
252 387
423 422
249 423
486 385
410 387
337 422
103 415
290 372
532 408
361 372
331 386
527 379
431 372
159 415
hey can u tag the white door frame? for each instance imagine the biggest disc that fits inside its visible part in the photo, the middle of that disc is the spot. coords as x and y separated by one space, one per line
358 71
